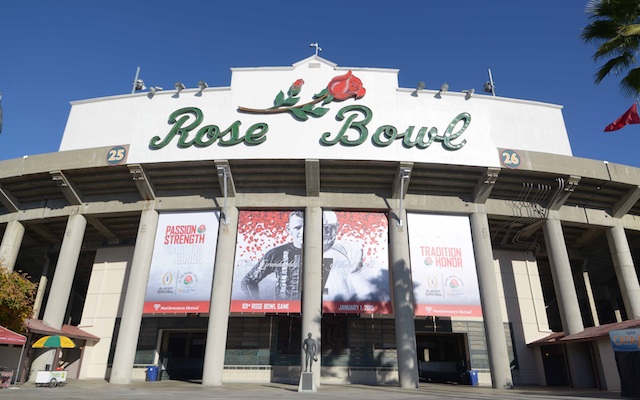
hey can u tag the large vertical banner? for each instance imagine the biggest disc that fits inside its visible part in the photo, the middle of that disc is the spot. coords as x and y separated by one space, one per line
355 263
184 253
267 275
443 268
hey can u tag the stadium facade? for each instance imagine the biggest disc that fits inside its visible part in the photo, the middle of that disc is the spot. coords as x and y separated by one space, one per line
417 235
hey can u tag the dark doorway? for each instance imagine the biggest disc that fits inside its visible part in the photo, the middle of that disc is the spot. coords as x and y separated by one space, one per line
442 357
555 366
182 354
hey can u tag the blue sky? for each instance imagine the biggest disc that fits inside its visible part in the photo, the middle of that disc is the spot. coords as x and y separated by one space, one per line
55 52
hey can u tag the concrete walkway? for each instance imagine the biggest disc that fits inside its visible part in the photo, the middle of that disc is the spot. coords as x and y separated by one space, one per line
101 390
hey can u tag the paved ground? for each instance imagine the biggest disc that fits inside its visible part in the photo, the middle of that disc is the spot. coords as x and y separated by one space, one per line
101 390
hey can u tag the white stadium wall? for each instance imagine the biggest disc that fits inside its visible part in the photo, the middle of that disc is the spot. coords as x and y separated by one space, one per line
494 122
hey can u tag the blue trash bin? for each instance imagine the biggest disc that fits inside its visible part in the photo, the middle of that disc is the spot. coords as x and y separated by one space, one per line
152 373
473 378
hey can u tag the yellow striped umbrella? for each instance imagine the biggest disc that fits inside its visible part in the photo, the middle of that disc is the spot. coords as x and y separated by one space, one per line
55 341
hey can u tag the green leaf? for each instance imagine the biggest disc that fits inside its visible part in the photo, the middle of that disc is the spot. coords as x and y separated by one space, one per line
328 100
307 107
298 114
322 93
279 99
319 111
290 101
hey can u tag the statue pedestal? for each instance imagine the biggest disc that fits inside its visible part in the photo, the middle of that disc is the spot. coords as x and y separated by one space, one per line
307 384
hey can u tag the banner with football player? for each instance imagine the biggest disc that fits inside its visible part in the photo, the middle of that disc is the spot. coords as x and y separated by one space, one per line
443 268
181 272
355 263
267 275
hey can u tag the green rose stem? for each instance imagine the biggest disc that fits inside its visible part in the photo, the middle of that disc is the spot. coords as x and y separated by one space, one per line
280 110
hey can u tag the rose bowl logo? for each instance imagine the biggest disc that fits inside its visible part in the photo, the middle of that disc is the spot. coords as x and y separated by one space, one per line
156 306
428 309
428 261
202 228
340 88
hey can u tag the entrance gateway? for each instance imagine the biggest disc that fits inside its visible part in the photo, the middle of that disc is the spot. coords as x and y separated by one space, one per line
443 355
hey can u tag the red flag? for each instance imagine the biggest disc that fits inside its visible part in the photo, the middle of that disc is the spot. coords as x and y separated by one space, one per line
630 117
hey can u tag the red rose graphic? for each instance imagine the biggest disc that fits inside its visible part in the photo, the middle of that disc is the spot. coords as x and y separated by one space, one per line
296 87
345 86
339 88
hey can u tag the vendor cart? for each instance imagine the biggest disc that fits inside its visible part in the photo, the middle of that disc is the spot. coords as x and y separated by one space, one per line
57 377
51 378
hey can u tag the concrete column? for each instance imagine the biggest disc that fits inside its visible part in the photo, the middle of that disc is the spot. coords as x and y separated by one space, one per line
65 271
562 275
312 284
127 340
625 270
219 308
592 301
578 354
491 311
10 246
403 302
42 286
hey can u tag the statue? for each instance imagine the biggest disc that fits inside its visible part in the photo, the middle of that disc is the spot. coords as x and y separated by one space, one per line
309 347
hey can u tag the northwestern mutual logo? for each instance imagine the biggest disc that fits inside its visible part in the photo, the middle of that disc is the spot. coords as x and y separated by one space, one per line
185 122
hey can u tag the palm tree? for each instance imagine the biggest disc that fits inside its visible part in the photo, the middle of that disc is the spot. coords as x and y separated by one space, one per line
615 28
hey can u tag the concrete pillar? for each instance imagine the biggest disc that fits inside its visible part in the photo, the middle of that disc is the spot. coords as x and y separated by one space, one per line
577 354
219 308
127 340
562 275
403 302
490 296
312 284
592 301
42 286
625 270
65 271
10 246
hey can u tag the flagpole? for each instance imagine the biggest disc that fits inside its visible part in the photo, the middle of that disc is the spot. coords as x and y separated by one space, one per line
135 81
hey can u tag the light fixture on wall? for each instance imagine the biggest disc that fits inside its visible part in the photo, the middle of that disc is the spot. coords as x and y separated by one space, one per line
153 90
179 86
443 88
419 88
468 93
202 85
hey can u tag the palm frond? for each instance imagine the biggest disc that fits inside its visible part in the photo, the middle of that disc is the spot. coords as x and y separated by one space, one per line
600 30
614 66
615 27
630 84
630 30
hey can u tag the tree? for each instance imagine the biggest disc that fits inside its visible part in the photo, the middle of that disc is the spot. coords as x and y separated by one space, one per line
615 28
17 296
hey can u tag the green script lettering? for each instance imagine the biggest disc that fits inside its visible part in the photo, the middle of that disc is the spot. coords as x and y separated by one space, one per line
178 129
187 119
449 135
386 134
359 126
209 134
